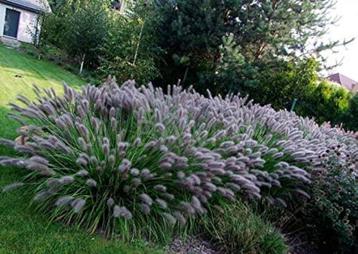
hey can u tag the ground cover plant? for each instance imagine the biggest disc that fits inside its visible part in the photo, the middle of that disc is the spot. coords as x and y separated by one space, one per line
141 162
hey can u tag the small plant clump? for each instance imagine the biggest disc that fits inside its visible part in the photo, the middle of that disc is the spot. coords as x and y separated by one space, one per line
332 212
126 159
237 229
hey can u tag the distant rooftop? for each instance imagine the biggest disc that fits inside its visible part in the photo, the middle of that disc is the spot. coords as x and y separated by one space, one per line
30 5
344 81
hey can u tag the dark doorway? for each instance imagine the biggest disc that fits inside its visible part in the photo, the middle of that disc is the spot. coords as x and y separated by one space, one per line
11 27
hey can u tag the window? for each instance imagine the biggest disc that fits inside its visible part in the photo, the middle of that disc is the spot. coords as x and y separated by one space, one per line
11 26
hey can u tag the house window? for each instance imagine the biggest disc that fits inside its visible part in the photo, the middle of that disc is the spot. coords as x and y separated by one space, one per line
11 26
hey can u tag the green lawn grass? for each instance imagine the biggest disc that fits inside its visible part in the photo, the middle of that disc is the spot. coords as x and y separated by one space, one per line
21 229
18 72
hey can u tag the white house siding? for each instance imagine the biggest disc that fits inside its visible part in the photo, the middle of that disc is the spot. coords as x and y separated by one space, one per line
27 23
2 19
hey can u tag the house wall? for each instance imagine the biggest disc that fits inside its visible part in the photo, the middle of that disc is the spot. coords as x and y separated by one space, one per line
2 19
27 23
355 89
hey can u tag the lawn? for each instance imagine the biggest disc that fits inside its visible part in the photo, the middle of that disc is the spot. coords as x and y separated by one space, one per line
18 72
21 230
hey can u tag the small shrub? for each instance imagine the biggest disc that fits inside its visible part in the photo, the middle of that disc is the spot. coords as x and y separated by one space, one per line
236 229
137 161
327 221
332 212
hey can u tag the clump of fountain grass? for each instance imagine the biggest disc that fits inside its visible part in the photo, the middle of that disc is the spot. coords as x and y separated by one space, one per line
137 161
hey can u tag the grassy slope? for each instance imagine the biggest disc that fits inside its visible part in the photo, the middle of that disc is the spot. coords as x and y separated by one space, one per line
21 230
18 72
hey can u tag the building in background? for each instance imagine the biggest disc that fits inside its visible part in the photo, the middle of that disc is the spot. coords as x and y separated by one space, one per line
344 81
20 20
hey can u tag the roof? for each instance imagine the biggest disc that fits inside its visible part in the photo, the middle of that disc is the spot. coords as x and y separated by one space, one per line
37 6
344 81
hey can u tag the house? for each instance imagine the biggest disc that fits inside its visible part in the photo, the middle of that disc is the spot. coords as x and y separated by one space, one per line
20 20
344 81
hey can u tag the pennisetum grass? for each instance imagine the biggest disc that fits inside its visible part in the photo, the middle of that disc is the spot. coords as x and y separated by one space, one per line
137 161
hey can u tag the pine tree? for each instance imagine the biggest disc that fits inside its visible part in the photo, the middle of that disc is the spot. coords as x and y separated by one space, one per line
266 31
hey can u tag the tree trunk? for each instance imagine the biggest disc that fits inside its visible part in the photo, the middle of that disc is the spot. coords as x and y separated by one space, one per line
82 63
139 40
185 74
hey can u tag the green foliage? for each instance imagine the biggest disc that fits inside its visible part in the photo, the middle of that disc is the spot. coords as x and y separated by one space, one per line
282 82
78 27
350 117
327 220
331 214
129 50
325 102
237 229
189 34
56 4
108 42
85 28
232 73
265 32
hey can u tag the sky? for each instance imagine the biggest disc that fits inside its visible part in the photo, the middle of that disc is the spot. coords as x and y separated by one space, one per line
346 28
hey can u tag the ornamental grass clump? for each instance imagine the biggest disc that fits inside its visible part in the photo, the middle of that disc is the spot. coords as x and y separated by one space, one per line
125 159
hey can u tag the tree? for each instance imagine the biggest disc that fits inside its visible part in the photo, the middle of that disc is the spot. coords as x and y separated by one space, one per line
79 27
189 33
265 31
85 31
232 72
129 49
